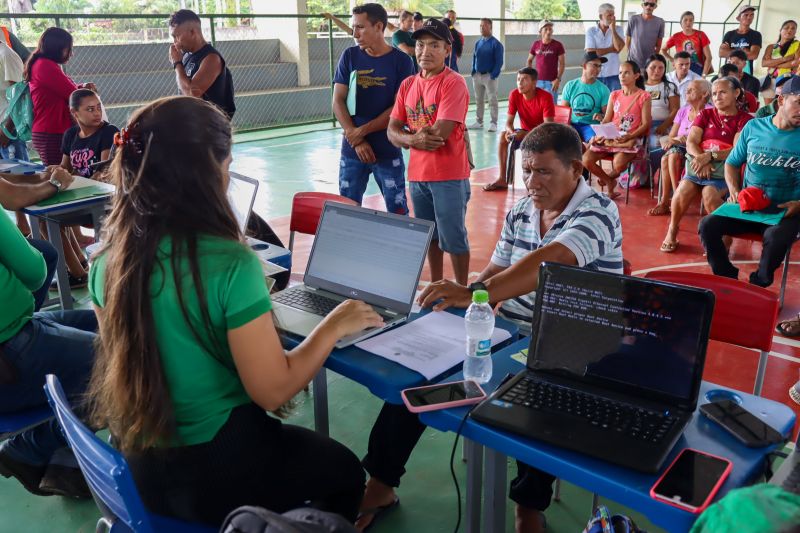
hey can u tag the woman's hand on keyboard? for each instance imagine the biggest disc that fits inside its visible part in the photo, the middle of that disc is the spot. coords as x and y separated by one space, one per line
352 316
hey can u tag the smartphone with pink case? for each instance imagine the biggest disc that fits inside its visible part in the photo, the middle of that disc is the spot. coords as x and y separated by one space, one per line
692 480
442 396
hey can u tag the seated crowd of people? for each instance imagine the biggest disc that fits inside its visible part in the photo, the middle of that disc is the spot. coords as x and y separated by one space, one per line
180 358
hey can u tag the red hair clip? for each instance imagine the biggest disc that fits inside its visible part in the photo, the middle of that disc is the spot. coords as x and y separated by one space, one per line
122 137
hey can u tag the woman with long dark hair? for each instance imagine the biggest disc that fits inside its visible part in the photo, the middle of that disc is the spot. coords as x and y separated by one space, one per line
780 58
189 360
629 109
50 91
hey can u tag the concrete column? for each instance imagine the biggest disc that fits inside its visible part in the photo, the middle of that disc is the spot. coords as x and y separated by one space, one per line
291 32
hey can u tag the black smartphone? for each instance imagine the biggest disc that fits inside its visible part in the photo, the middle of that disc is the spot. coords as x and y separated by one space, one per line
741 423
692 480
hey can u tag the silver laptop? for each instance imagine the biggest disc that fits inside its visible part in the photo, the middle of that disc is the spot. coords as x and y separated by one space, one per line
358 254
242 195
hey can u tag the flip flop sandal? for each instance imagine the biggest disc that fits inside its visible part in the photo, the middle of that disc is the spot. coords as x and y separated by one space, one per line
780 328
669 247
494 187
376 513
794 393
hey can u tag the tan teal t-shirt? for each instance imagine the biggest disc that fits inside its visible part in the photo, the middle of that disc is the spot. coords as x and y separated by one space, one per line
204 388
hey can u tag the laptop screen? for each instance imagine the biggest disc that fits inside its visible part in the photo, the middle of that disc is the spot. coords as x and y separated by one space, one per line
241 195
630 334
369 255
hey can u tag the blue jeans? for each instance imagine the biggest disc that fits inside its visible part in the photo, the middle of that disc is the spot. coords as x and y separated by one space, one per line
51 259
60 343
389 174
445 203
547 86
612 82
697 68
15 150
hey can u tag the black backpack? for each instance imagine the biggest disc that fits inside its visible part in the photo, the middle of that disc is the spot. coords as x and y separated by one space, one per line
249 519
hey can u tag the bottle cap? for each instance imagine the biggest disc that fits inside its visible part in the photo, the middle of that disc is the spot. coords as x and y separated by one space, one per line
480 297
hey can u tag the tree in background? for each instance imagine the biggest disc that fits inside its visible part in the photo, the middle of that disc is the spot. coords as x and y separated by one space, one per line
549 9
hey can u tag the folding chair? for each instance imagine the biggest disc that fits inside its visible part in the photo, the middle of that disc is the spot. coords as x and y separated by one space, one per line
109 478
307 210
744 314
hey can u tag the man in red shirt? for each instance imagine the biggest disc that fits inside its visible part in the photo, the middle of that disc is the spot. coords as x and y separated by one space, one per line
428 119
535 106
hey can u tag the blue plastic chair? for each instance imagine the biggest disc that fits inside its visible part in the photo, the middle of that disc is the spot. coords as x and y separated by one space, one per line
109 477
13 423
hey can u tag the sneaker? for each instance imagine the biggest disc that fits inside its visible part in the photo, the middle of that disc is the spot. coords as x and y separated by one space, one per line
64 481
29 475
75 282
794 393
475 126
492 127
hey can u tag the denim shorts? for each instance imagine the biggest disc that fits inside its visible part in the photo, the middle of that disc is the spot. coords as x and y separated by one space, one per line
584 130
718 183
445 203
389 174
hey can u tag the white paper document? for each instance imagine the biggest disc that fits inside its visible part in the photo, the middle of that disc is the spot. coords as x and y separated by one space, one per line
608 130
429 345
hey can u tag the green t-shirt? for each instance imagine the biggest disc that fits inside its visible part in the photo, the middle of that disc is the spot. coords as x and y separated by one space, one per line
585 99
404 37
767 110
22 271
203 389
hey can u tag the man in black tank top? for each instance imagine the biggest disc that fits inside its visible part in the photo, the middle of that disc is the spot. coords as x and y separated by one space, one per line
200 70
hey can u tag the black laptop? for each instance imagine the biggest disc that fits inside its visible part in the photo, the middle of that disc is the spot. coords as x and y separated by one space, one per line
614 366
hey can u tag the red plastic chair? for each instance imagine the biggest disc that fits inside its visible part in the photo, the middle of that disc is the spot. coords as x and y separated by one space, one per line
744 314
307 210
563 114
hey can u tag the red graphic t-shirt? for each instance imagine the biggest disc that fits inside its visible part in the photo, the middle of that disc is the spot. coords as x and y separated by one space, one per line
693 44
421 102
547 58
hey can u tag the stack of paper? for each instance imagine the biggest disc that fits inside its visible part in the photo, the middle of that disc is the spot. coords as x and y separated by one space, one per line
430 345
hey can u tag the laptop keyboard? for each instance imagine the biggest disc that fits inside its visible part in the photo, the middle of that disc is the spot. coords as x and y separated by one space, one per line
637 423
307 301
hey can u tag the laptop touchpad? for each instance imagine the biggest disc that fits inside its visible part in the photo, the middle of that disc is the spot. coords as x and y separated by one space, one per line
294 320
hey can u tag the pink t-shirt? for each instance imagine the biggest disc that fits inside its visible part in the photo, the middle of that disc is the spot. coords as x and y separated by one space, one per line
628 109
50 90
718 127
531 112
547 58
421 102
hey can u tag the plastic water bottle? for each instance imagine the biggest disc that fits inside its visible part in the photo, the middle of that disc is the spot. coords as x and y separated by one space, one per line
479 322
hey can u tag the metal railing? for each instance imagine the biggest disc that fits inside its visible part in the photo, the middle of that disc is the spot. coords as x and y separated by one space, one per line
278 81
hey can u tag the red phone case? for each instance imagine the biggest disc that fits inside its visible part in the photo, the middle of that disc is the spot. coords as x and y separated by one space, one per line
714 490
444 405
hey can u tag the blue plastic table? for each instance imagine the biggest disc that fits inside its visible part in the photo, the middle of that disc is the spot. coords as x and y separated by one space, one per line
620 484
384 379
53 216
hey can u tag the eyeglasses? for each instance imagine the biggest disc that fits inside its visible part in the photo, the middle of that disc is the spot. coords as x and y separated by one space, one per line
649 4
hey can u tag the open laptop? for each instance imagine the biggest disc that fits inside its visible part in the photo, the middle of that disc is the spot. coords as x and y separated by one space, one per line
614 366
242 195
361 254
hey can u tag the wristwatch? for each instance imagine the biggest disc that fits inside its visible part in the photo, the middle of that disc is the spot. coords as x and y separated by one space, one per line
176 63
476 286
55 183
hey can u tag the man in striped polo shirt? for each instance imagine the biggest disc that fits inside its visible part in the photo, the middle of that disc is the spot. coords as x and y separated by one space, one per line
562 220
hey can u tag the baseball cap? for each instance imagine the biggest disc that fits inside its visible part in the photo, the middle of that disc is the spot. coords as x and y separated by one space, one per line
418 16
744 8
544 23
791 86
783 79
591 56
752 199
434 27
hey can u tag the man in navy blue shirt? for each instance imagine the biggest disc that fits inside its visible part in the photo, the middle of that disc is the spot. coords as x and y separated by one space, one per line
487 62
379 70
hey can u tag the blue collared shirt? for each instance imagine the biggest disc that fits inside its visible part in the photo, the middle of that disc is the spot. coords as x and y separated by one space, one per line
488 56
